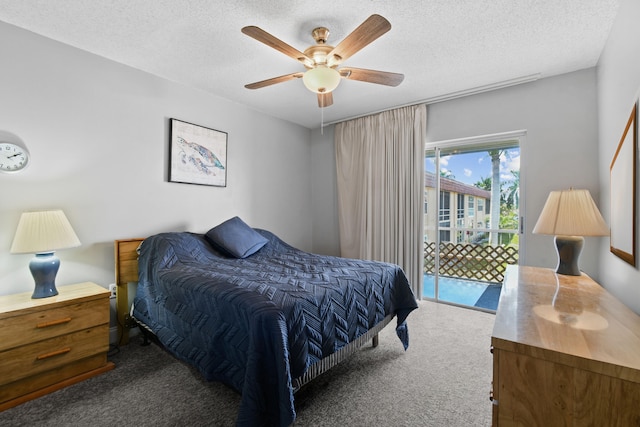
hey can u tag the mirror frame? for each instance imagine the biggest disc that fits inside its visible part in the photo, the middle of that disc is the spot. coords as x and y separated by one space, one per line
623 194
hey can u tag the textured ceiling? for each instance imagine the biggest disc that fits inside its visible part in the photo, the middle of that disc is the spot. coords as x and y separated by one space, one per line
441 46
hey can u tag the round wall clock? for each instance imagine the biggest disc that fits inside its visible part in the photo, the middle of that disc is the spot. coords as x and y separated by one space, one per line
14 155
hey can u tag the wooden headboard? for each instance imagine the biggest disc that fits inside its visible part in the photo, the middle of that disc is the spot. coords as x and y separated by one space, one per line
126 259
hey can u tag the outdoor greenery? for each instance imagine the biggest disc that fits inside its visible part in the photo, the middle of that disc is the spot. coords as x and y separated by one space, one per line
509 203
485 257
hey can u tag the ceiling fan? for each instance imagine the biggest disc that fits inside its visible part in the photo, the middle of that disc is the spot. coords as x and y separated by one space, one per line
322 60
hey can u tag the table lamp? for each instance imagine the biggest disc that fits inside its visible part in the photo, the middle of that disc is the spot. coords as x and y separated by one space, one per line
42 233
569 215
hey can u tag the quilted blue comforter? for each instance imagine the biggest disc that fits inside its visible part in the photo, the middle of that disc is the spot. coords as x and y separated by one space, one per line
257 323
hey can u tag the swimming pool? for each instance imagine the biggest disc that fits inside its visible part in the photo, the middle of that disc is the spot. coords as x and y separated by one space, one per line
459 291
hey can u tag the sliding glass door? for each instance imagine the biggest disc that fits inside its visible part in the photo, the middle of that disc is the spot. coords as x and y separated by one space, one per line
472 218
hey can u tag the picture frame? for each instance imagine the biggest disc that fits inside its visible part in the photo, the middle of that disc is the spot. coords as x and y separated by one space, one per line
623 193
198 155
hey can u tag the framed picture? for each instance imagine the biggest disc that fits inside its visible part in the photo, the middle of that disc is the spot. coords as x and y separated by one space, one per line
198 155
623 194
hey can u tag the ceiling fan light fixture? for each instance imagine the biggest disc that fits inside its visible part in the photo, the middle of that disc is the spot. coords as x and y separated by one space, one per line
322 60
321 79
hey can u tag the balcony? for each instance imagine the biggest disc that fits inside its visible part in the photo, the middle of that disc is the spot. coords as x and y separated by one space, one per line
470 274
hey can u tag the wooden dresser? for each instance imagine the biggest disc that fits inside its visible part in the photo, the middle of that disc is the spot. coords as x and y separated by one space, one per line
565 353
50 343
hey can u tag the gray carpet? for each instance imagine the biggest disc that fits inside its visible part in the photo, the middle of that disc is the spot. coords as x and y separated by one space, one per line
442 380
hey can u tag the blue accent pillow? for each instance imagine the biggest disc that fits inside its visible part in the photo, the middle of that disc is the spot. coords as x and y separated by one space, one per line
235 237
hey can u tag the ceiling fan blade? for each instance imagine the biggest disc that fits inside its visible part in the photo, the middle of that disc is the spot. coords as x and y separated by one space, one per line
372 76
269 82
372 28
274 42
325 99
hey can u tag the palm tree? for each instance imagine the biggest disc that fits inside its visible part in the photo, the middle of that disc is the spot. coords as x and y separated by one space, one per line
484 183
495 194
447 174
512 193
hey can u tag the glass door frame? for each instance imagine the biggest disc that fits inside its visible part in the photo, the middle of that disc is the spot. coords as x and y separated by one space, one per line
518 136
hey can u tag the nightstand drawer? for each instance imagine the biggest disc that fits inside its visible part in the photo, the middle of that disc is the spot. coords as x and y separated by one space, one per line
30 328
28 360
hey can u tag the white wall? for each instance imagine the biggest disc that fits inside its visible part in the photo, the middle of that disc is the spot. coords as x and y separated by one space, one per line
559 115
98 135
618 89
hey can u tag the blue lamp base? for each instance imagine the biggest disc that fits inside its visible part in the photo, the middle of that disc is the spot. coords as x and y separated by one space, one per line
44 268
568 248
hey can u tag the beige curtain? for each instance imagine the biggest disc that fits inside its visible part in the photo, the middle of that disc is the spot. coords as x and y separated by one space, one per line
380 166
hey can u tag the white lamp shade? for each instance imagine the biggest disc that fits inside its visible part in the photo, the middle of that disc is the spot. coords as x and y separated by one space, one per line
571 213
43 231
321 79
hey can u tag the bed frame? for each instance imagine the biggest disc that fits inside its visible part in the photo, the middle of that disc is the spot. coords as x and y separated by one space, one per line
126 260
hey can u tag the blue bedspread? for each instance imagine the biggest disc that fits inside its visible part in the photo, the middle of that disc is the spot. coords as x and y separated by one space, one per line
258 322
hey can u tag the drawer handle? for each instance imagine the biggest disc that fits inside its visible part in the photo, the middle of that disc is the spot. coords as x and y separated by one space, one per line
53 322
54 353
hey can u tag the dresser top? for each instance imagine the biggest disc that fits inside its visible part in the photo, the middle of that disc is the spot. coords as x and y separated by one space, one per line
567 319
10 305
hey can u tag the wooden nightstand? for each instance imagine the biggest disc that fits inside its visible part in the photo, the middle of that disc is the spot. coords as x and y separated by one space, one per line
50 343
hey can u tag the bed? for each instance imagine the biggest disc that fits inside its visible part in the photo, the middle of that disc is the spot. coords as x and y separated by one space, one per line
265 323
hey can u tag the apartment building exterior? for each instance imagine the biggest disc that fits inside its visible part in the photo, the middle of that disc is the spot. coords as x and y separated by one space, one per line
464 211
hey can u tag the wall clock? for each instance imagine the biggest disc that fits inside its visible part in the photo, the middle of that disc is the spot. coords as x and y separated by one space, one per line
14 154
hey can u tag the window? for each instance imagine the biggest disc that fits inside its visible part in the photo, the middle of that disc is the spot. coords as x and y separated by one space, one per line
460 217
462 221
444 217
460 206
426 202
445 209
